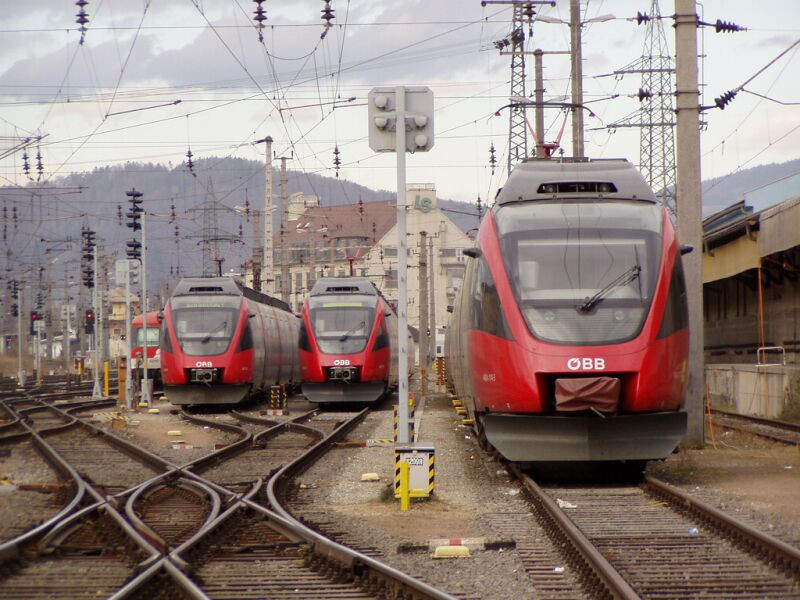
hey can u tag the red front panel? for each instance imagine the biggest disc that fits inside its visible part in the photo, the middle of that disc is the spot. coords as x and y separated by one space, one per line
236 365
518 375
374 364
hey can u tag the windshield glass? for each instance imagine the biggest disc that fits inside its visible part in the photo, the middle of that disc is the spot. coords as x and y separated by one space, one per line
342 325
153 336
205 326
583 272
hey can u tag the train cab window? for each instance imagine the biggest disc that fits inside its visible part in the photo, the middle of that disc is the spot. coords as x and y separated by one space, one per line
583 272
205 328
342 326
488 312
676 313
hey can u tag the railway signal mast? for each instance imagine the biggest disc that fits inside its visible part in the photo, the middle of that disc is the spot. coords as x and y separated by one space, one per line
90 281
409 110
138 251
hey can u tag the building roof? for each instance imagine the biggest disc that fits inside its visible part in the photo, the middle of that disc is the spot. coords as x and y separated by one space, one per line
321 224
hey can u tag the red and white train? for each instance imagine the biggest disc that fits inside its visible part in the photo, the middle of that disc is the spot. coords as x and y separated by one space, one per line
569 339
348 340
138 344
222 342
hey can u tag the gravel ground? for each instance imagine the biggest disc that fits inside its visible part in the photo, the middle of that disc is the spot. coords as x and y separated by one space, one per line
152 432
472 498
754 480
21 510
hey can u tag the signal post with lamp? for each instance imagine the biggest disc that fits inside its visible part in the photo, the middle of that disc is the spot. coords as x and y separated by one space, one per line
400 121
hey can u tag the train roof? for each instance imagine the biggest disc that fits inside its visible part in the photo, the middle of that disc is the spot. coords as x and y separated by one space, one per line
543 179
224 286
344 285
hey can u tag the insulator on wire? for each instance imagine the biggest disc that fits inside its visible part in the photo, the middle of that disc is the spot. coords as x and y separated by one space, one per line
119 214
642 18
189 161
172 215
14 216
327 16
725 99
26 165
492 158
727 27
259 18
82 18
336 161
480 207
501 44
247 209
643 93
361 208
39 166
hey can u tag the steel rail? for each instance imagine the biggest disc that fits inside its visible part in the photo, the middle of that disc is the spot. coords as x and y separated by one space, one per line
783 556
187 484
346 557
10 549
601 570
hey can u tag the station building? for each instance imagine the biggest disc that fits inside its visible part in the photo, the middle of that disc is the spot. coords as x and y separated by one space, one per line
361 239
751 303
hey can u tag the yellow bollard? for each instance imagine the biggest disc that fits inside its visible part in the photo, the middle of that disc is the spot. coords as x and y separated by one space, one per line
405 495
107 378
122 377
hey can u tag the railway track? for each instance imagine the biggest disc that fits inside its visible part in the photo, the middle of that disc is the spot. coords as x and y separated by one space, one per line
774 430
654 541
136 526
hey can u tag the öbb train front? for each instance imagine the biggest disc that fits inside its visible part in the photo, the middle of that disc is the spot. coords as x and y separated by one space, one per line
223 342
569 340
347 339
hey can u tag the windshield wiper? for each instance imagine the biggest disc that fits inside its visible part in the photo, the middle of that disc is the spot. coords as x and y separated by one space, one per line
347 333
207 338
624 279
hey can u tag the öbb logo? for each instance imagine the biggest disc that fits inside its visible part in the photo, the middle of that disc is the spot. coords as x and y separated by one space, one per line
597 364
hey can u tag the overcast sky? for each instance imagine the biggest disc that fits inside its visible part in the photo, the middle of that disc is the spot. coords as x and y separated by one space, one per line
139 54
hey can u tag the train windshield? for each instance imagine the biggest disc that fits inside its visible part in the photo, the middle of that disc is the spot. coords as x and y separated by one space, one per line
205 326
153 336
583 272
342 325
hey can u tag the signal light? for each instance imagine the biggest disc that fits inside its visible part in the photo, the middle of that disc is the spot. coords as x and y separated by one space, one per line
89 324
134 249
35 316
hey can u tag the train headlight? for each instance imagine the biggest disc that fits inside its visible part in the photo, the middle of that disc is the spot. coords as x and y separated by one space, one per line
619 315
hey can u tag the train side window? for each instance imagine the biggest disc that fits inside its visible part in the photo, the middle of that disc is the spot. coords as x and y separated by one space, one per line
305 342
166 340
488 312
246 342
382 341
676 313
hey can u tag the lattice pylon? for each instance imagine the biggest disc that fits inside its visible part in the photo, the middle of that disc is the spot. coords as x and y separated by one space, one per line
656 114
517 129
